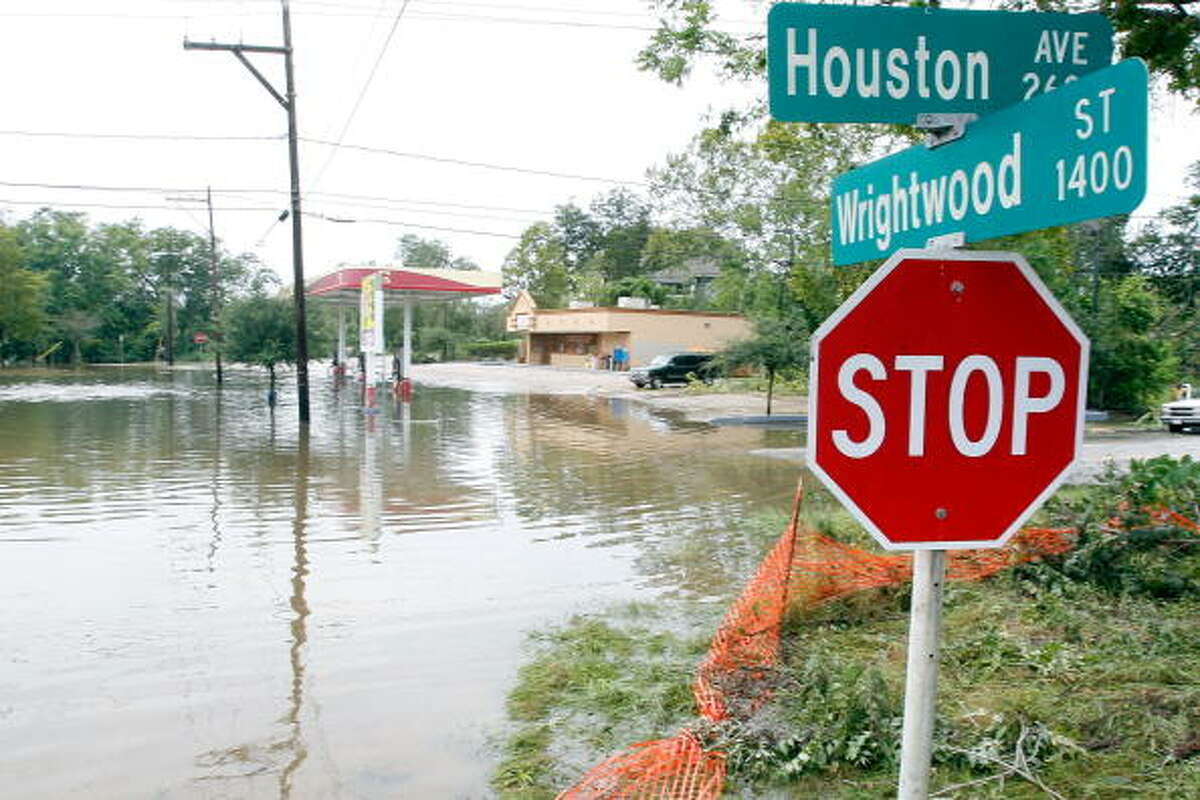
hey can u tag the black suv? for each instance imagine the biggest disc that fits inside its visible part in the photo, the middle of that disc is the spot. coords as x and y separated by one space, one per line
673 368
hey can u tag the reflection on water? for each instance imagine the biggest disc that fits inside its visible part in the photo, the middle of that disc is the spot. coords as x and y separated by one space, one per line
198 600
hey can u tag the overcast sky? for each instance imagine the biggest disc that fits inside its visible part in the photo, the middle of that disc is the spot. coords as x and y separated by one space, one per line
541 85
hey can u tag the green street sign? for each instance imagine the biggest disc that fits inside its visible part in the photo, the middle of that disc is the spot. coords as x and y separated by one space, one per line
1074 154
837 63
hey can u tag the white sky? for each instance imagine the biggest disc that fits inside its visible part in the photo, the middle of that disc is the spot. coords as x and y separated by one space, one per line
538 84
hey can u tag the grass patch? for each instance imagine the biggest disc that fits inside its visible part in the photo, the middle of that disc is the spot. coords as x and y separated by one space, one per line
593 686
789 386
1078 676
1097 695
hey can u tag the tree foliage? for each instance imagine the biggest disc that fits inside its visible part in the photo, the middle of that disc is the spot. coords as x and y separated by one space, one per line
581 254
763 189
105 291
447 331
639 286
414 251
1131 362
1164 34
261 330
668 248
538 265
22 299
1168 248
777 345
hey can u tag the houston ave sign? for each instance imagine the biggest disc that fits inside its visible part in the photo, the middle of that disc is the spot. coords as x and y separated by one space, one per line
1074 154
837 63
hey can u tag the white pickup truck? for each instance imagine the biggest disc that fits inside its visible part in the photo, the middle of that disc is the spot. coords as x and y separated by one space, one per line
1182 413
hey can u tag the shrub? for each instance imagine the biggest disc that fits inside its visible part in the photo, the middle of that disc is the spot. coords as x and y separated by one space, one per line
503 348
1125 546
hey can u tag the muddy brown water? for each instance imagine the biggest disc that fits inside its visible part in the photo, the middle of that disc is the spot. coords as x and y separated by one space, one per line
198 601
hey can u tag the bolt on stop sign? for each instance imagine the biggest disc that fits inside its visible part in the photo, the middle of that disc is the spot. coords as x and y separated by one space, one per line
946 399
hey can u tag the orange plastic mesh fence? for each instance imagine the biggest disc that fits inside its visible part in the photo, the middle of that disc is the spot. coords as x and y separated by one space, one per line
1175 518
670 769
803 569
748 638
825 569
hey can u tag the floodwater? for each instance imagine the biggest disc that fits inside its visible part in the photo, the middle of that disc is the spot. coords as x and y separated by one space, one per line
198 601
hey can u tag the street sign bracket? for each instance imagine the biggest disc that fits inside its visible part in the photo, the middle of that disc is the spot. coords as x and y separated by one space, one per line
947 241
942 128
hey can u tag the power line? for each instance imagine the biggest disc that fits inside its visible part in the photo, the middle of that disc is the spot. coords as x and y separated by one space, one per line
362 92
327 143
259 209
433 202
403 224
451 17
559 9
125 206
187 137
236 192
342 13
479 164
431 211
99 188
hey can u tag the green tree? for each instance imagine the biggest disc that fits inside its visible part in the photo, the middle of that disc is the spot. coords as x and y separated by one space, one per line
1167 251
1132 364
414 251
603 244
1168 248
579 234
764 188
180 281
438 343
777 345
634 287
538 264
623 222
76 325
130 318
261 331
22 299
113 291
1163 34
101 282
667 248
55 244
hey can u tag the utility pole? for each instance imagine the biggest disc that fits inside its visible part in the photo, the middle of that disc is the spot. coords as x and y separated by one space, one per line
288 101
216 286
170 338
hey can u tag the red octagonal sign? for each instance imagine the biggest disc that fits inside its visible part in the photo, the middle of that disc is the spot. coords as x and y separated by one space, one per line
946 399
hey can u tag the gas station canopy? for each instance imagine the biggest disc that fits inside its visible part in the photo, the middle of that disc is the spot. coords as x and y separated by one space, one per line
343 285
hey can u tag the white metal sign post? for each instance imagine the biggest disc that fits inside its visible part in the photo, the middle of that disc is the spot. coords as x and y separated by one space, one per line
920 680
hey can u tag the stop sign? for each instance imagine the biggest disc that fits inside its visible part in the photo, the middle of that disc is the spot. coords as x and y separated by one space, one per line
946 398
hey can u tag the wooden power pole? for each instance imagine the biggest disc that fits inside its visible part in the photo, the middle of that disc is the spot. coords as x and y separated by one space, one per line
215 275
288 101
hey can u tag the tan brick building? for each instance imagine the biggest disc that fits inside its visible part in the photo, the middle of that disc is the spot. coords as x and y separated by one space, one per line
571 337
